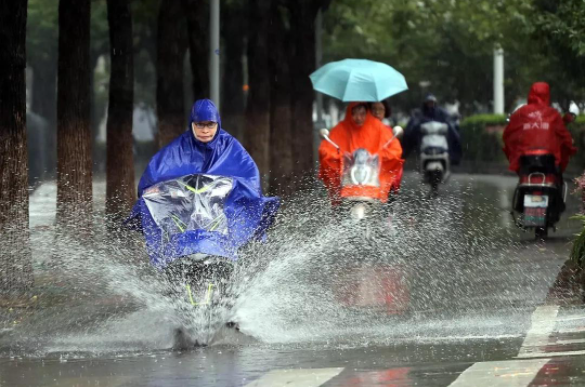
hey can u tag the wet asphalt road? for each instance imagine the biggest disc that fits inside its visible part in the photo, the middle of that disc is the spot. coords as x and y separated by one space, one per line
470 309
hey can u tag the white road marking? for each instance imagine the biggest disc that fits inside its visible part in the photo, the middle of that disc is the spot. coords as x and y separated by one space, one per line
552 354
572 330
296 378
566 342
571 319
543 323
513 373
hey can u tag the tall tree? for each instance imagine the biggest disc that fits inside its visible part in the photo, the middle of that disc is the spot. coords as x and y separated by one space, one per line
74 162
171 49
281 164
120 193
257 130
15 266
197 14
303 15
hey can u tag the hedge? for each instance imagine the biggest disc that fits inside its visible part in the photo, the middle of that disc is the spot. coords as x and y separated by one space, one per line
481 140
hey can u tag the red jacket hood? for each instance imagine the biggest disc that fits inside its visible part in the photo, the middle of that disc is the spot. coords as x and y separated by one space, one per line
539 94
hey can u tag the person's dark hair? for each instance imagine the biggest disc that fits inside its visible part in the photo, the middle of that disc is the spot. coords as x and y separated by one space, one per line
387 108
364 105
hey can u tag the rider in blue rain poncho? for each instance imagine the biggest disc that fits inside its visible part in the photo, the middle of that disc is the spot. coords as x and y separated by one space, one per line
205 150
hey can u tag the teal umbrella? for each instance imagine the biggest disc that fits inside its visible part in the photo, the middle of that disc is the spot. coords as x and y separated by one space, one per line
358 80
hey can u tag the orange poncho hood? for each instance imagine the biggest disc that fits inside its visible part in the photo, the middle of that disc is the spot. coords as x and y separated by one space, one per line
372 136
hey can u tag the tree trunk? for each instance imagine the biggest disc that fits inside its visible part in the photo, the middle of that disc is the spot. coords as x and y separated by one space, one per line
257 134
120 193
15 260
303 14
74 164
234 34
281 164
197 14
171 49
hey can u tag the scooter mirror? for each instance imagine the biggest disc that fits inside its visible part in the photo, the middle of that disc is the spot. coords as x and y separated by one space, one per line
324 133
398 131
569 117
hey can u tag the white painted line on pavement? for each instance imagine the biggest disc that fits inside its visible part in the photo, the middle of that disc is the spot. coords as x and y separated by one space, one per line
543 323
571 319
552 354
573 341
513 373
296 378
572 330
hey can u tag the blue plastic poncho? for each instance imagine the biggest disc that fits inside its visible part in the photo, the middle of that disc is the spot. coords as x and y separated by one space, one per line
221 176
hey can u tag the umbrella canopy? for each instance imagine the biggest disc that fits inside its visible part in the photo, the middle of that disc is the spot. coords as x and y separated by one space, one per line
358 80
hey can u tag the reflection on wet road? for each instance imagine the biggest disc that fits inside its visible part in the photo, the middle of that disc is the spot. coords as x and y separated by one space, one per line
447 293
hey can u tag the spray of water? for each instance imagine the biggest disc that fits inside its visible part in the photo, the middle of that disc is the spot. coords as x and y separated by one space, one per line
428 270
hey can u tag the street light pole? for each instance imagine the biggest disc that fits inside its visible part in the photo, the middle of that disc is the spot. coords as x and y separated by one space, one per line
214 69
499 81
319 124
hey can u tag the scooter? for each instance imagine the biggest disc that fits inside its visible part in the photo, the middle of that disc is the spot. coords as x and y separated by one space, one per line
359 177
180 210
540 196
434 154
541 193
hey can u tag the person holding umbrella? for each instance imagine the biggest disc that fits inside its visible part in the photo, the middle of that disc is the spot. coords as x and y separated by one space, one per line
360 130
366 81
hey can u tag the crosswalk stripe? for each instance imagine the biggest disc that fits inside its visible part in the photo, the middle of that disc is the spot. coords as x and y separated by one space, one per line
552 354
513 373
543 323
296 378
567 342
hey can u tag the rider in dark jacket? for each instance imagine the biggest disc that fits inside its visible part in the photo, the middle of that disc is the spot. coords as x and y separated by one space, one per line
431 112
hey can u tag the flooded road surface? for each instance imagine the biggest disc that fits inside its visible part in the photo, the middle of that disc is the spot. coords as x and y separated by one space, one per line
437 293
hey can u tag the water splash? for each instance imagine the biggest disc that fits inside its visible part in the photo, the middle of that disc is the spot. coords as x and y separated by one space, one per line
318 280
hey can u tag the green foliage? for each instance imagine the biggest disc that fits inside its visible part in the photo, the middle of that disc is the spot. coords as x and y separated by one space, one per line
446 44
481 138
485 120
41 31
578 249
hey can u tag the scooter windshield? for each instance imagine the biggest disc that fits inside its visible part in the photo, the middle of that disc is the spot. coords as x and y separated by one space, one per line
190 202
360 168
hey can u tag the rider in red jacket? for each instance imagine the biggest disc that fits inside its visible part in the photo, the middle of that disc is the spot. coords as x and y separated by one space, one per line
537 129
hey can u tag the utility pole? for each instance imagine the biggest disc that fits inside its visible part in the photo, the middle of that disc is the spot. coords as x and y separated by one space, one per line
319 97
214 52
498 81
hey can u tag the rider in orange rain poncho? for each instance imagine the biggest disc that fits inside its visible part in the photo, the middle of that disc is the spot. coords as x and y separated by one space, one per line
359 129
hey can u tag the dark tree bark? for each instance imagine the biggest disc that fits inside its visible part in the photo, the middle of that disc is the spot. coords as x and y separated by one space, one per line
74 163
197 14
120 193
281 165
171 49
234 33
15 266
257 134
303 14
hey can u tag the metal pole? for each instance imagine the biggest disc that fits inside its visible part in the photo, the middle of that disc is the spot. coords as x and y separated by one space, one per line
499 81
319 58
319 124
214 69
